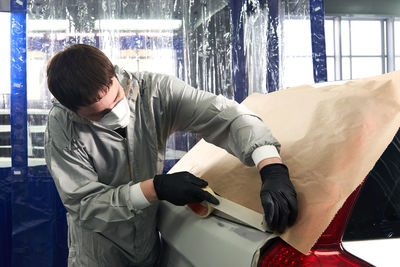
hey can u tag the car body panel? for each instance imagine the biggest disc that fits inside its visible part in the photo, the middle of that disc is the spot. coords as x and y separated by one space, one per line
213 241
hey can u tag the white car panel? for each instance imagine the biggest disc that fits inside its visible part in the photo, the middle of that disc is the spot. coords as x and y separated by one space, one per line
213 241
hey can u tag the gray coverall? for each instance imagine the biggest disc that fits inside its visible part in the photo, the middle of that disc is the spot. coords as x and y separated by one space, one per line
93 167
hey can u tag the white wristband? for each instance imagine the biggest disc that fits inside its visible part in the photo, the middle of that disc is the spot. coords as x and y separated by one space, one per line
264 152
139 201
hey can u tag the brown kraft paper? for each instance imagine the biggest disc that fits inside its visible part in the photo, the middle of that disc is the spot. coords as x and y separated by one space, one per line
330 139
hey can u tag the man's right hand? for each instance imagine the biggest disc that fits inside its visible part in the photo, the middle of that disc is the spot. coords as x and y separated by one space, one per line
278 197
182 188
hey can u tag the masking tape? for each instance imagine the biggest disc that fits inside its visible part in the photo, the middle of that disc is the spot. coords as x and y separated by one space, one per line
229 210
204 208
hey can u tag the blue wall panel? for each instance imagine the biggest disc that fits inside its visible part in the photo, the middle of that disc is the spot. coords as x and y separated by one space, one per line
5 217
39 230
34 232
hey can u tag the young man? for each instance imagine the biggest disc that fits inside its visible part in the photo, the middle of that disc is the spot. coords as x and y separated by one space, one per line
105 144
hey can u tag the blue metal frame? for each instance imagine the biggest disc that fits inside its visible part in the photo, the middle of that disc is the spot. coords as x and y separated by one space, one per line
18 111
318 40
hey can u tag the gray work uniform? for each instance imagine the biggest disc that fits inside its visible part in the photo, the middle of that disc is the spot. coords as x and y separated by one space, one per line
93 167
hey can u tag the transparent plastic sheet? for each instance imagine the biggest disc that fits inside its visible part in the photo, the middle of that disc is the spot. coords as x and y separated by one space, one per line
44 39
273 50
207 64
204 41
295 43
127 31
277 40
5 140
208 46
256 20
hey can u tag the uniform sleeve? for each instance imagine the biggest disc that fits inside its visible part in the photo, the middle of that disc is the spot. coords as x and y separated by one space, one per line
220 121
93 204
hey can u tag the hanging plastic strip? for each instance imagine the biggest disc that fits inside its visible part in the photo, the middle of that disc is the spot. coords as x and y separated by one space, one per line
317 19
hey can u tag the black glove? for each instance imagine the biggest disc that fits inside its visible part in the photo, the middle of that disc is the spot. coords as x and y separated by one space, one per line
278 197
182 188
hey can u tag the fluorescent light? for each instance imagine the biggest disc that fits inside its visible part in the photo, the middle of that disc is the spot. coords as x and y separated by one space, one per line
45 25
138 24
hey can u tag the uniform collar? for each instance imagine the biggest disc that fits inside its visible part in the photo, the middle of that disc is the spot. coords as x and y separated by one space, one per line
128 81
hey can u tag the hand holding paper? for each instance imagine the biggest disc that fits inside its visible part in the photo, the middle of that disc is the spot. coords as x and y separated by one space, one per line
278 197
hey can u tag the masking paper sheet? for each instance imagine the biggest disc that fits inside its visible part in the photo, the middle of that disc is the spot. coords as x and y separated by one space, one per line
331 138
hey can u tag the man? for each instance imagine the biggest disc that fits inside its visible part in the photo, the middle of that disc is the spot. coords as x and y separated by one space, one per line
105 144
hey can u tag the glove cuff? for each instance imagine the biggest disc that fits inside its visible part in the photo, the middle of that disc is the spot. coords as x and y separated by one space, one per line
157 182
270 170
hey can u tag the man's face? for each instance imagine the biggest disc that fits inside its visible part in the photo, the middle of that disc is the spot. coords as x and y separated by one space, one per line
108 100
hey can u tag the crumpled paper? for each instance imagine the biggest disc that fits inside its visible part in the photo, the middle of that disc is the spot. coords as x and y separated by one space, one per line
331 138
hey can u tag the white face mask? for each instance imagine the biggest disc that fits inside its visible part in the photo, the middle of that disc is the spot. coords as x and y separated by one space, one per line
118 117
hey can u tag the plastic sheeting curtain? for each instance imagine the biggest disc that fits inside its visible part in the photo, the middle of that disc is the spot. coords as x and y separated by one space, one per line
256 25
196 46
190 39
208 46
138 35
296 65
284 43
207 64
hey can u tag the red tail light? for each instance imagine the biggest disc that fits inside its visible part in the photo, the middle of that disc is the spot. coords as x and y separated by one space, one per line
328 250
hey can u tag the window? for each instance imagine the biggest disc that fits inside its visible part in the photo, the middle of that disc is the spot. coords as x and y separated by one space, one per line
330 49
357 52
397 44
365 49
376 214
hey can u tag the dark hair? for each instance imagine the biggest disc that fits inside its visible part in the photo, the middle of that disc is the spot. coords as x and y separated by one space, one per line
78 74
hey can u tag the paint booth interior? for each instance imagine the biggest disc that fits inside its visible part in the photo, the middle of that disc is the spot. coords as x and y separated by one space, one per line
229 47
